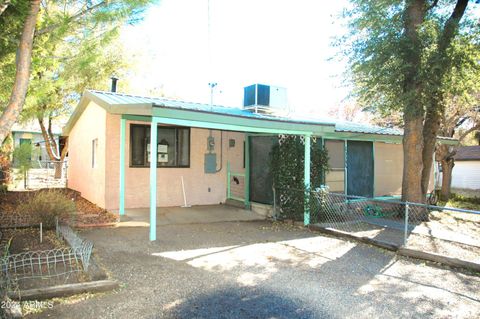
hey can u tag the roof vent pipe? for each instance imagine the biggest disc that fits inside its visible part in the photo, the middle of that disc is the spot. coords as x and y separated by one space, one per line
114 84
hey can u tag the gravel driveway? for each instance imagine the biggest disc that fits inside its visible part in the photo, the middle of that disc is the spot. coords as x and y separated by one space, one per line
259 270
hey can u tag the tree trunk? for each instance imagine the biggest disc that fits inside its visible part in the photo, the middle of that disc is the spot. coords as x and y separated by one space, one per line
412 161
447 168
430 132
59 164
413 110
22 76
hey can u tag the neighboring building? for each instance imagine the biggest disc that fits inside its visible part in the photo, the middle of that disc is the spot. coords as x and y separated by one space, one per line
466 172
31 133
219 152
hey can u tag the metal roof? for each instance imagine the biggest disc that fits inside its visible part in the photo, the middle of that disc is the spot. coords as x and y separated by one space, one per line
127 104
125 99
340 126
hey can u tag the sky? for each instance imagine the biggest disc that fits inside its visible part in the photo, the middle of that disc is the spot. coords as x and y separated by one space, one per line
283 43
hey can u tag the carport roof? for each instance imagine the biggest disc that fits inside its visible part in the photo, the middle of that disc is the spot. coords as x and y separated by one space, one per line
132 105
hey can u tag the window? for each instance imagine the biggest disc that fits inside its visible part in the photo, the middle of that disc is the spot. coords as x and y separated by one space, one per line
94 152
173 148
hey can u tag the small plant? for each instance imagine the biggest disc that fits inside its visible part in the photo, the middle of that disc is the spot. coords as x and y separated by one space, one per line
22 157
48 205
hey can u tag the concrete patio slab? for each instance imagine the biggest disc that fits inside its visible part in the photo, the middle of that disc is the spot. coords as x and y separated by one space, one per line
140 217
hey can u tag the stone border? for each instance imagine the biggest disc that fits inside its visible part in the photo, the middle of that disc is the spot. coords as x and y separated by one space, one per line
402 251
65 290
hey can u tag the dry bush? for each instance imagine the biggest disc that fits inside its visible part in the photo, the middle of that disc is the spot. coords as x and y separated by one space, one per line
47 206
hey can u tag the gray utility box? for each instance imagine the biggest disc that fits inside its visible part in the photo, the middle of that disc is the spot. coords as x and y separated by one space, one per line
210 163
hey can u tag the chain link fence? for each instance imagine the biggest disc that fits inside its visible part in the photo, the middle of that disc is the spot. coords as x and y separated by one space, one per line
387 219
42 174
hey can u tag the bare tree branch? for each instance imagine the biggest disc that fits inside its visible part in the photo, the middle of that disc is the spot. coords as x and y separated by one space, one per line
470 130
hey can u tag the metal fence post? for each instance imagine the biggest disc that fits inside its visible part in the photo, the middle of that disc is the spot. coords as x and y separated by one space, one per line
406 225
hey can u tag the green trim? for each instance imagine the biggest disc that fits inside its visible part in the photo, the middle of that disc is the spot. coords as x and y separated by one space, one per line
237 198
345 179
153 180
122 166
247 171
373 159
137 118
228 180
235 123
307 161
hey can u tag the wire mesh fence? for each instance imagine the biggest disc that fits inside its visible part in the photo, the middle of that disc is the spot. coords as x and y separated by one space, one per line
15 268
387 219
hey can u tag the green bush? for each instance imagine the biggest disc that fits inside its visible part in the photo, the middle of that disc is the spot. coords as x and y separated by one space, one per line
287 168
47 206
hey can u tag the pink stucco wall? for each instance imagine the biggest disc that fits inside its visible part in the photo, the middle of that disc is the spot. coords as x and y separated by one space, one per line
90 181
200 188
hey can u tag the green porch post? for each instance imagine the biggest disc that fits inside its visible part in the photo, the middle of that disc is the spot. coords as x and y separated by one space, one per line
345 174
122 166
247 171
306 212
153 180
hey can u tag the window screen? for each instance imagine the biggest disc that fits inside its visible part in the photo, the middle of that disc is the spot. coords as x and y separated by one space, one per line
335 178
173 148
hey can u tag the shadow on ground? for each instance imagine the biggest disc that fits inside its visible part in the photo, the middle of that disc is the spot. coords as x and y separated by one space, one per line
235 302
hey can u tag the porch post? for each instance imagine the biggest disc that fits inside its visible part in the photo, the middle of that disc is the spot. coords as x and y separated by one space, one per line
153 180
306 212
122 167
247 171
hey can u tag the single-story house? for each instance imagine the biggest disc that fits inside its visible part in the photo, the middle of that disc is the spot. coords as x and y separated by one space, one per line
31 133
466 172
209 154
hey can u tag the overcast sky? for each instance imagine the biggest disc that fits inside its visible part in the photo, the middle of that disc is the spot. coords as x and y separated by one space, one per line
278 42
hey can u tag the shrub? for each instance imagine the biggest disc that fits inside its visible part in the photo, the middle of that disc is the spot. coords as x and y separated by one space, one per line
47 206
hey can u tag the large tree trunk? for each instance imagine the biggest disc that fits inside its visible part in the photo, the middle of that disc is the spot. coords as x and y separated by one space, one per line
20 86
447 169
445 155
430 132
412 160
413 110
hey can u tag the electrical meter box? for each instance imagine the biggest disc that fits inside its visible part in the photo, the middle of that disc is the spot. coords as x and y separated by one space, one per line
210 163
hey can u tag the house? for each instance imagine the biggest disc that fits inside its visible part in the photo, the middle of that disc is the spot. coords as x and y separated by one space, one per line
31 133
466 172
210 153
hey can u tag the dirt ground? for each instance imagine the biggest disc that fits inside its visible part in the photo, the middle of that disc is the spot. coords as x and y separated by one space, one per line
262 270
28 239
86 212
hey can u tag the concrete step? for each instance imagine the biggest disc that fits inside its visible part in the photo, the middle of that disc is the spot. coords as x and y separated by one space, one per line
235 203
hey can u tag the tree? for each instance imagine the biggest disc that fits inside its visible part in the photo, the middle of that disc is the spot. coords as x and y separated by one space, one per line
461 119
22 74
60 73
55 25
22 156
401 56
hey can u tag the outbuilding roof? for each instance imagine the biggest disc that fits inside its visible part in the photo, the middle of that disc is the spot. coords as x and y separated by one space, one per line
126 104
468 153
